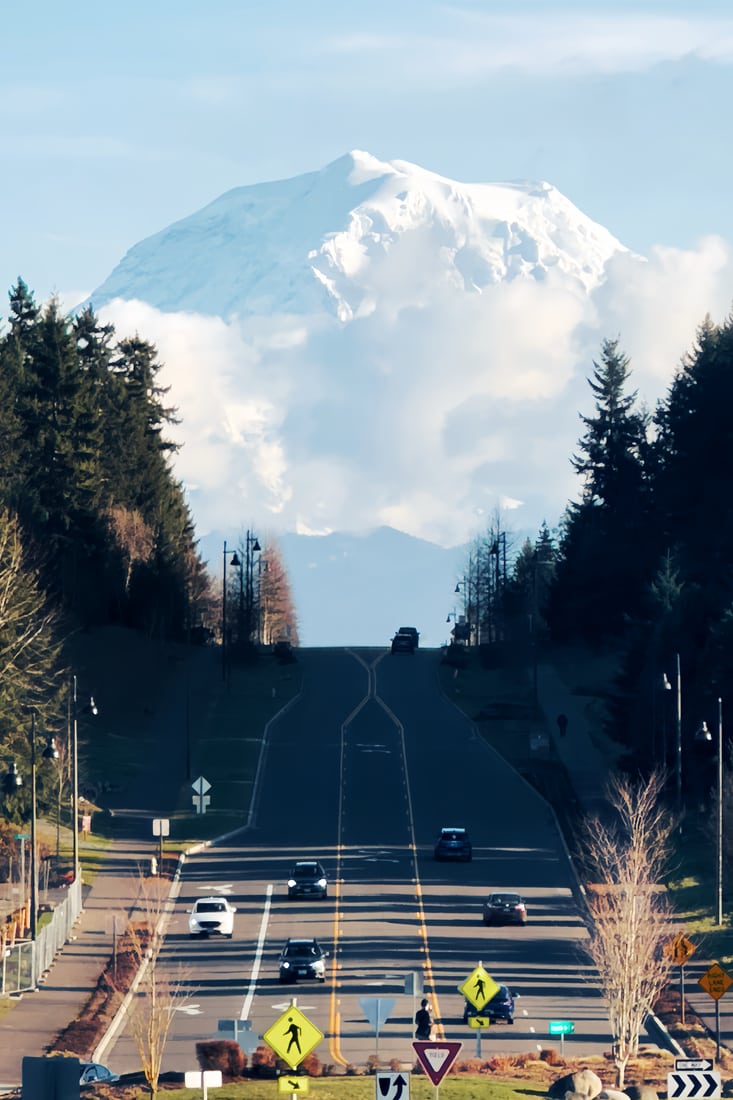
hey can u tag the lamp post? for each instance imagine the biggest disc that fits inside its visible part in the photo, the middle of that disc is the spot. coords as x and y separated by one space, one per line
74 729
235 563
252 547
678 735
719 829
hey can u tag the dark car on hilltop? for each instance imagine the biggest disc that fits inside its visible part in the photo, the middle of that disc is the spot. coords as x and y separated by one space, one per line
403 643
453 843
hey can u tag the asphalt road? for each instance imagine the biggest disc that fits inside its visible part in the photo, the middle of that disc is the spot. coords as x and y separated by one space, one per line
361 773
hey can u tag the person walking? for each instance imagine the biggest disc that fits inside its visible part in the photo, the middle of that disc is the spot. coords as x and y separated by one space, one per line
562 724
424 1020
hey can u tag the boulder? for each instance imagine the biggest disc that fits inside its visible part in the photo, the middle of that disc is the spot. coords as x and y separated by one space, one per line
642 1092
614 1094
584 1084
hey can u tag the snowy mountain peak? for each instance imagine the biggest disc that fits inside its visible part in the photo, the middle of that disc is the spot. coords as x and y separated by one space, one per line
337 240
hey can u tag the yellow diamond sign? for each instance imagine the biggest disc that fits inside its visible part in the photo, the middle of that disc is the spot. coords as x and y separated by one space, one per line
478 988
716 982
292 1036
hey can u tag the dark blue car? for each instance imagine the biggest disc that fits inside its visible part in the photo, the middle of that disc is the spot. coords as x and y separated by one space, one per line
453 843
500 1009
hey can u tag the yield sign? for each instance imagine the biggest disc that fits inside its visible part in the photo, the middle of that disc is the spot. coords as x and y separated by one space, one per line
436 1058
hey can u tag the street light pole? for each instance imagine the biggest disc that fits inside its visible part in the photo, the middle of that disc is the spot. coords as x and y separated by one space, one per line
34 867
678 725
235 562
74 781
719 831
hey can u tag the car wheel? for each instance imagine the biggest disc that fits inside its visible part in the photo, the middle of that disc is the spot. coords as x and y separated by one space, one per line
229 935
510 1019
487 920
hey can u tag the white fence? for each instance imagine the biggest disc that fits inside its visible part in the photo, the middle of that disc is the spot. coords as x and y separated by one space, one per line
25 962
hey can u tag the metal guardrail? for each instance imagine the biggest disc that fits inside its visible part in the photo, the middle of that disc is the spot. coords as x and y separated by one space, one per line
25 962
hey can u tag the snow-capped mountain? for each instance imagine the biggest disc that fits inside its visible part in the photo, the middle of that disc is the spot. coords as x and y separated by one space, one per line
370 348
313 243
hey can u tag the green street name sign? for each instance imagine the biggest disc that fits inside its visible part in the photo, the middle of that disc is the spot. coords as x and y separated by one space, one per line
561 1027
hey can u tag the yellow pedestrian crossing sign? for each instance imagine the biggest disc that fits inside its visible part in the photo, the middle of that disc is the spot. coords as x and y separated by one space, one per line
292 1036
479 987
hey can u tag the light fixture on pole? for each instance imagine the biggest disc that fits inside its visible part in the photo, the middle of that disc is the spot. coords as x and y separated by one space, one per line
235 563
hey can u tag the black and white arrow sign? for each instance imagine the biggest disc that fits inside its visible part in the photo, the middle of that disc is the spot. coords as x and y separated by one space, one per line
692 1063
701 1086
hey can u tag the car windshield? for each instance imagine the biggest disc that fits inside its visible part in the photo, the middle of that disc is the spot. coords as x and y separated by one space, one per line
454 834
300 950
504 899
308 869
210 907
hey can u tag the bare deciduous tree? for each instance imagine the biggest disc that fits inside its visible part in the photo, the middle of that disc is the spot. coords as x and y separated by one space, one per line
159 989
631 917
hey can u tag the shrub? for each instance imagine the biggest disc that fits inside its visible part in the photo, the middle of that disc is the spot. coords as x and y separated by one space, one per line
221 1054
311 1065
263 1063
552 1057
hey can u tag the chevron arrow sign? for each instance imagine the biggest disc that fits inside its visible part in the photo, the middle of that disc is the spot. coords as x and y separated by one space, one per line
702 1086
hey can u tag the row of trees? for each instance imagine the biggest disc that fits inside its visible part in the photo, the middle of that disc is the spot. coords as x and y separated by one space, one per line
641 562
94 525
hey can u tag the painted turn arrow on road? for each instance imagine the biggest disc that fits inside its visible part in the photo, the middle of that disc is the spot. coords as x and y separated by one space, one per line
702 1086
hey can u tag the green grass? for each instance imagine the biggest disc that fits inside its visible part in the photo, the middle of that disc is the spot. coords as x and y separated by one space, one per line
453 1087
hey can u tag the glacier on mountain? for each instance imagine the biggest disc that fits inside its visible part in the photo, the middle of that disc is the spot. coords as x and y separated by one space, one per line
321 241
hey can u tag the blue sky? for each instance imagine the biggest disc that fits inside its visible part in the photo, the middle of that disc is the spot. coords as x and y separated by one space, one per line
119 119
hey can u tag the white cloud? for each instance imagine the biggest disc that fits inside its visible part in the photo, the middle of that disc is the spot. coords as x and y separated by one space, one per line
427 419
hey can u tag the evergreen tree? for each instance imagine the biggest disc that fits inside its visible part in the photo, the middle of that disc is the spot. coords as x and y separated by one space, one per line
601 569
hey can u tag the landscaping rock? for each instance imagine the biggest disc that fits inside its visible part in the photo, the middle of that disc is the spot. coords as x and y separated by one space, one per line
584 1084
642 1092
614 1094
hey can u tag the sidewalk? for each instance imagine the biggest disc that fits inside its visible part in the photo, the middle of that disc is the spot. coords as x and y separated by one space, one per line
36 1019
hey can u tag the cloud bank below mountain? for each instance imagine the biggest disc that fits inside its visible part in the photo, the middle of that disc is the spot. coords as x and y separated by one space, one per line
428 413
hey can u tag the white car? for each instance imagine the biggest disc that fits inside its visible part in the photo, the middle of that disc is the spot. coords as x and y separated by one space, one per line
93 1073
212 917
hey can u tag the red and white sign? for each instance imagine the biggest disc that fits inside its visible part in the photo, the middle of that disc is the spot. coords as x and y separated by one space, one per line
436 1058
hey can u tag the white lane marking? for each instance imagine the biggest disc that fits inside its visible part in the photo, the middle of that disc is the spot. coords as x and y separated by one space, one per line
222 888
247 1003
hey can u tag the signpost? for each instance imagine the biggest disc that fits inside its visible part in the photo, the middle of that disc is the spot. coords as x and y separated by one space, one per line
478 988
561 1028
292 1036
680 950
716 982
436 1058
392 1086
161 828
241 1032
288 1083
704 1085
377 1011
203 1079
201 798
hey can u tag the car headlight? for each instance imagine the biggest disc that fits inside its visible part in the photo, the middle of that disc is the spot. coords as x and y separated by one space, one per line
292 882
322 883
285 965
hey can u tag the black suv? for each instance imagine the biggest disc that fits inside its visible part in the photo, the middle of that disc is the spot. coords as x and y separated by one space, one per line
500 1009
453 843
412 632
403 643
307 879
302 959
